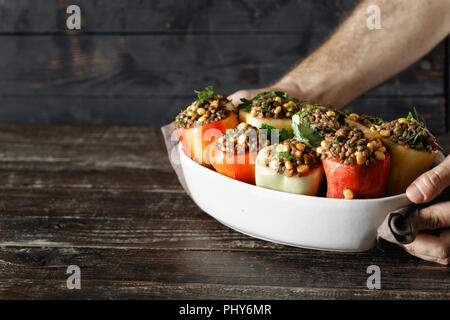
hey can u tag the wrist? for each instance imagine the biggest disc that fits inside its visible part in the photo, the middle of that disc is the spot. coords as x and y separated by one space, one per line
291 86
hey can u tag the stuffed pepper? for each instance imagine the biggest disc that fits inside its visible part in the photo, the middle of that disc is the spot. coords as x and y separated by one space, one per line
413 149
355 166
234 153
290 166
201 123
272 108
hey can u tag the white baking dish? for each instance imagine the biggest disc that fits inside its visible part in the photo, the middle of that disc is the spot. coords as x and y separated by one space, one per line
290 219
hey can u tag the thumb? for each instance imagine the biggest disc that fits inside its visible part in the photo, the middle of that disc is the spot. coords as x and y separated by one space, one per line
430 184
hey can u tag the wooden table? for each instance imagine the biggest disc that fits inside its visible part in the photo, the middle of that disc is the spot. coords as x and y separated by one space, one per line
107 200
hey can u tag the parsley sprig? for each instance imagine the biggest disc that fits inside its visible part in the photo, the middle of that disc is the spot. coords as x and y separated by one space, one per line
418 117
206 94
283 134
305 132
285 155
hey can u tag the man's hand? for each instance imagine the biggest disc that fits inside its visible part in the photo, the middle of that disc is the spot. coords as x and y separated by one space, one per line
246 94
424 189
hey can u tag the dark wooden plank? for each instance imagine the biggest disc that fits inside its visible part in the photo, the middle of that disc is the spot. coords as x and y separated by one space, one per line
150 55
171 16
138 290
146 66
304 269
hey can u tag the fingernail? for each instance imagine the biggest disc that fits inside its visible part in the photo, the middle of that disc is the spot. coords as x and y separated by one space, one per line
414 194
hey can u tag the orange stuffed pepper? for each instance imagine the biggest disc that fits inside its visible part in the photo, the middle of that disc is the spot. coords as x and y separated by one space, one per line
204 121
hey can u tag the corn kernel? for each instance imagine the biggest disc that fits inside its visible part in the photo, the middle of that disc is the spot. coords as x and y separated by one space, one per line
360 160
379 155
201 111
279 148
288 164
300 146
302 169
331 113
324 144
214 104
371 145
253 112
288 173
277 110
286 147
353 117
348 194
278 99
385 133
403 120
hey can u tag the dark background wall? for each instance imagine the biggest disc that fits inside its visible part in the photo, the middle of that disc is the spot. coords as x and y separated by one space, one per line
137 62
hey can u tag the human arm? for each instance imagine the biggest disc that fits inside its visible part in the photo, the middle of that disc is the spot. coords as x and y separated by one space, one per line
355 59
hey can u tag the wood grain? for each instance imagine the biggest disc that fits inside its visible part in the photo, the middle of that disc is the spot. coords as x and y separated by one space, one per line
137 62
172 16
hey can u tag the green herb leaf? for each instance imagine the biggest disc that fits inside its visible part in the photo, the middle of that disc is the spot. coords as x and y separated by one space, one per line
283 134
285 155
206 94
246 105
182 121
306 133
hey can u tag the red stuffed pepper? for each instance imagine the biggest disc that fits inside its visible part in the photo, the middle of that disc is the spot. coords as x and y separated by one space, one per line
355 166
204 121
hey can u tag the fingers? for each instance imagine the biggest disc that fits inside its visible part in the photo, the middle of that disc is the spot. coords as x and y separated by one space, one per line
435 217
246 94
431 248
430 184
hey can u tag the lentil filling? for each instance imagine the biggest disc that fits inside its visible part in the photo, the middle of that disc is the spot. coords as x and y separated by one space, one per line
277 105
244 138
350 146
409 132
291 158
325 119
